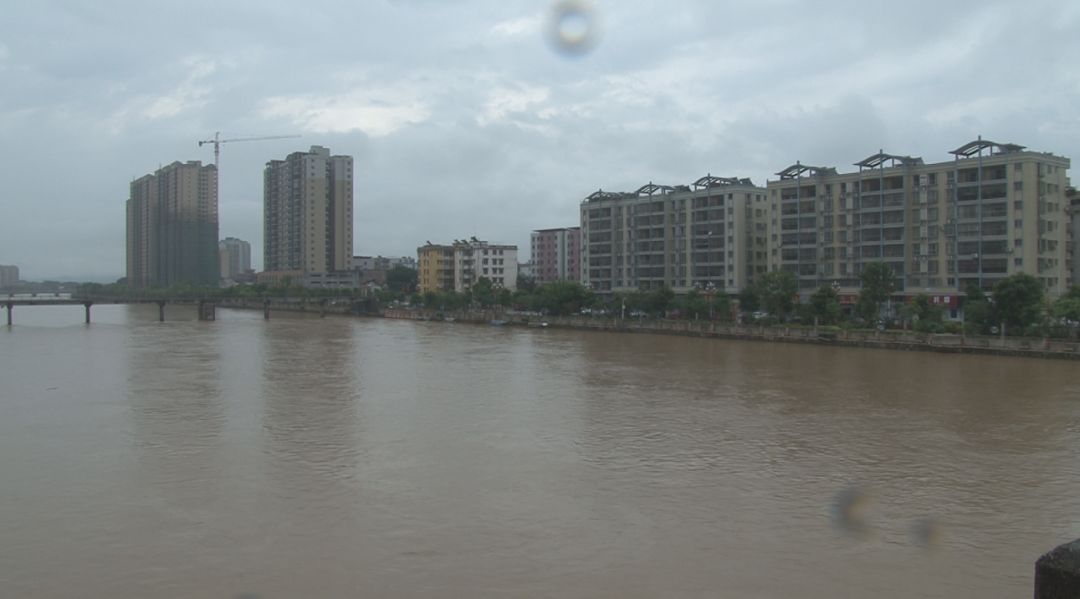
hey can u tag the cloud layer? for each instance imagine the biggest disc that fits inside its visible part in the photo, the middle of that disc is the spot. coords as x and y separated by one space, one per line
464 121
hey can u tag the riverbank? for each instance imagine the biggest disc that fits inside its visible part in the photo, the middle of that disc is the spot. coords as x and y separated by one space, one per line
894 340
1027 347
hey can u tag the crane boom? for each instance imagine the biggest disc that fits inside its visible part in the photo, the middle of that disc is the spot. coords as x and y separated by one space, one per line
217 141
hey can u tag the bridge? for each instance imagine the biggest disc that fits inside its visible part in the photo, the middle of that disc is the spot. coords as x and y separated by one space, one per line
206 305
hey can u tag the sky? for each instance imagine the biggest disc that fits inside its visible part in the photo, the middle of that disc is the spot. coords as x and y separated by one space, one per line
465 118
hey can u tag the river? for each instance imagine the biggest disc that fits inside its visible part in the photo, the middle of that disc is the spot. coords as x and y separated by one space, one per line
344 457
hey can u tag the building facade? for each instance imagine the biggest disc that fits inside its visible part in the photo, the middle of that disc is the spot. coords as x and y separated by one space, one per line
308 212
710 235
460 265
9 276
1074 232
172 227
556 254
235 257
368 263
992 211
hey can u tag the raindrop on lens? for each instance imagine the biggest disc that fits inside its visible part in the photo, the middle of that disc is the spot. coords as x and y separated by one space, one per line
572 28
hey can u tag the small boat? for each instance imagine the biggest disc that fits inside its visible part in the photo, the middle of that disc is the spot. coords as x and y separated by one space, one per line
497 322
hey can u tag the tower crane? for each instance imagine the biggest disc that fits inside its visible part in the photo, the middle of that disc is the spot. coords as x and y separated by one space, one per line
217 141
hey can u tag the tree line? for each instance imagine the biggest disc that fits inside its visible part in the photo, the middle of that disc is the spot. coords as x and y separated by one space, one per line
1017 305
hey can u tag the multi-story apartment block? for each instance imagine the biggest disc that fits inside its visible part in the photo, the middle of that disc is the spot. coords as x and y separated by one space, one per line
994 210
368 263
708 235
556 254
308 212
457 267
9 276
1074 234
172 227
235 257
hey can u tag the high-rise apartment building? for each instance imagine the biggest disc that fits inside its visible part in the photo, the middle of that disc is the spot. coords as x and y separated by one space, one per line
235 257
172 227
1074 234
708 235
992 211
556 254
459 266
308 213
9 276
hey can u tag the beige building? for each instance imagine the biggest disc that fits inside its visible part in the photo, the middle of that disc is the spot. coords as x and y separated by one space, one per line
992 211
308 212
1074 235
234 258
9 276
460 265
709 235
172 227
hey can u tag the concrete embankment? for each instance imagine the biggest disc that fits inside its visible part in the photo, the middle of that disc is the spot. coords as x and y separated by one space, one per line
1068 349
895 340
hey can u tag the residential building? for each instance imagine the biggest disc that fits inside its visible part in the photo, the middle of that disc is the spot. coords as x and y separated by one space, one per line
9 276
458 266
1074 234
556 254
235 258
374 269
308 213
992 211
526 271
709 235
172 227
369 263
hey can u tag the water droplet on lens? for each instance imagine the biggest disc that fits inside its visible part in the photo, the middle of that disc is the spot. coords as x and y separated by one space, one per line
572 27
926 532
849 511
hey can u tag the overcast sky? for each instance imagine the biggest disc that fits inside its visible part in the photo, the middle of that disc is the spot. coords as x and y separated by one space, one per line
463 120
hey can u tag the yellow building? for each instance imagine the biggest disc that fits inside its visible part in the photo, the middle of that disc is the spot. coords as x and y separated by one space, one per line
436 271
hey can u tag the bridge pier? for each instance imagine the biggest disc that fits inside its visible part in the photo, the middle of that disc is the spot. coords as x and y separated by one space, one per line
207 310
161 311
87 306
10 306
322 308
266 309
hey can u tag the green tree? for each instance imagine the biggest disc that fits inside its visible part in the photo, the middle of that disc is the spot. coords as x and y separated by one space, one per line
878 284
749 301
483 292
562 297
928 317
401 279
777 291
1068 305
1019 301
721 307
825 305
659 300
526 283
693 305
978 311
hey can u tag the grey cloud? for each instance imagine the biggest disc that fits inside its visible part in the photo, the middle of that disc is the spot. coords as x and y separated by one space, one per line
94 95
